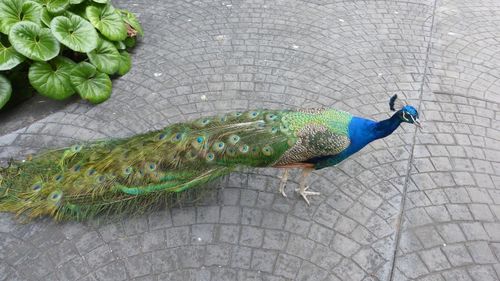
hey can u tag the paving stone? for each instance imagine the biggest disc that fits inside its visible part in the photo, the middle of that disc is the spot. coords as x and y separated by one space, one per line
434 259
457 274
112 271
457 255
218 255
275 239
411 265
287 266
208 57
263 260
481 252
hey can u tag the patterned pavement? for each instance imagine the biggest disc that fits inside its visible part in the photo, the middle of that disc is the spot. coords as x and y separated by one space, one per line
418 205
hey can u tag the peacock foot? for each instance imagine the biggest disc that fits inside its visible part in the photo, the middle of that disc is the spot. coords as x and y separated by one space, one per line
302 190
304 193
284 179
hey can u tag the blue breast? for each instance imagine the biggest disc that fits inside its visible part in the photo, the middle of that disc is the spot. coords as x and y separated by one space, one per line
360 134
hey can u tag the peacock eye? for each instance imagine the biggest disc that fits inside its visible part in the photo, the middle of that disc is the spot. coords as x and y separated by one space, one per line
36 187
100 179
210 156
231 151
267 150
128 170
199 139
244 148
234 139
218 145
177 137
152 166
77 168
76 148
55 195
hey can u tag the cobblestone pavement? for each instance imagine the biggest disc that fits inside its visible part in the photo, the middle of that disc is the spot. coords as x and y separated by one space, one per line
418 205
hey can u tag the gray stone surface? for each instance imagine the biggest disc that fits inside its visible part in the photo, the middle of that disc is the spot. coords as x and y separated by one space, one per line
420 204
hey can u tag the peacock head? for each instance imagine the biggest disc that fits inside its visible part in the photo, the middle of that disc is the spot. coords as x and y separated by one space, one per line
406 113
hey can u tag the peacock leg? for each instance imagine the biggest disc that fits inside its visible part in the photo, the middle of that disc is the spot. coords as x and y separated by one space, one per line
306 172
284 179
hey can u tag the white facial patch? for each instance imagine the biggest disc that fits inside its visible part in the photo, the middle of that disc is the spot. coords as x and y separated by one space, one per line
406 118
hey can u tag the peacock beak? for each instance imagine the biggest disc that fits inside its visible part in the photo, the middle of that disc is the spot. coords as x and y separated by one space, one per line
417 123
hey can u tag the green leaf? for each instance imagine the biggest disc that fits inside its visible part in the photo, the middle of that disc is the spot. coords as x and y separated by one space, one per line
129 42
75 2
33 41
78 9
91 84
9 58
5 90
101 1
51 79
55 6
131 20
105 57
75 32
14 11
125 63
120 45
46 17
107 20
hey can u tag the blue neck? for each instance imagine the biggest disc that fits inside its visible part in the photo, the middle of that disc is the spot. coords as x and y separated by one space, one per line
361 132
385 127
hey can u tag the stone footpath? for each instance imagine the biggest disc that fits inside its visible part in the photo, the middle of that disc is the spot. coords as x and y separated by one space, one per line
418 205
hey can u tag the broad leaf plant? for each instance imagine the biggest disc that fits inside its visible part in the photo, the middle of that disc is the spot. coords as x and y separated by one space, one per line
63 47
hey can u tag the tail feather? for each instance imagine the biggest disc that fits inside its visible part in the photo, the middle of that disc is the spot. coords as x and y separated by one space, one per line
62 204
131 175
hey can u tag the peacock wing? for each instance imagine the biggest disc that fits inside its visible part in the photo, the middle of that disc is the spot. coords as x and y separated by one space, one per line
314 140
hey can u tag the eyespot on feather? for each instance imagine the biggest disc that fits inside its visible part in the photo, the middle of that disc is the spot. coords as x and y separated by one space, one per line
177 137
267 150
271 117
76 168
37 186
210 156
151 167
231 151
244 148
76 148
128 170
234 139
55 197
218 146
253 114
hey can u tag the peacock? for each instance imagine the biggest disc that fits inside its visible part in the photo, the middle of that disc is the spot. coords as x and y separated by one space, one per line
114 176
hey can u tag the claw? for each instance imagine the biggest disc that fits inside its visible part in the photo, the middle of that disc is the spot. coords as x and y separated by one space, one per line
302 190
284 179
304 193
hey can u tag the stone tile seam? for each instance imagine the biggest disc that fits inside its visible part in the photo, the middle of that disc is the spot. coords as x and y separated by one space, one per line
412 155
